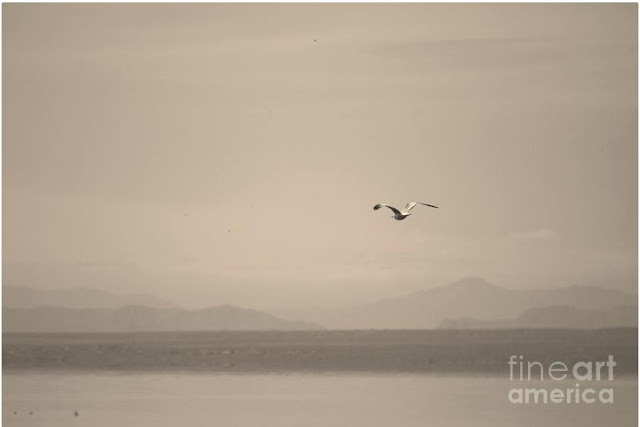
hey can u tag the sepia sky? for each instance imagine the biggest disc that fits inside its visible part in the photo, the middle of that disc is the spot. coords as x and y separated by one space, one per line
220 153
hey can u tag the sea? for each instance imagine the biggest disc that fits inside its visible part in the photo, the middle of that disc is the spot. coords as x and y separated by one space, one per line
42 387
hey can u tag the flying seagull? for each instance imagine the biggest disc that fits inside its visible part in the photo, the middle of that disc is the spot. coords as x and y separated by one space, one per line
400 215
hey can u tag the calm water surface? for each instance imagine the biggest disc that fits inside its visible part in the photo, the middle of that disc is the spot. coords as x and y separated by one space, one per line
291 400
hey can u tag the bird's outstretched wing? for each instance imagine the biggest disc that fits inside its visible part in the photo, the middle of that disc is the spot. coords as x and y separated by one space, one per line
412 205
409 206
379 205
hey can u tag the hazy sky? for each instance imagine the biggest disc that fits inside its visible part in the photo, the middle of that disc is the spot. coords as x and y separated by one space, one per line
136 136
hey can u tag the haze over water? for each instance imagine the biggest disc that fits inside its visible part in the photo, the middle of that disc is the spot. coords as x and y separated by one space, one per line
214 154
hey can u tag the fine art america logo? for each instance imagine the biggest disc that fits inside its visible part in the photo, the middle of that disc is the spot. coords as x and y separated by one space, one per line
589 382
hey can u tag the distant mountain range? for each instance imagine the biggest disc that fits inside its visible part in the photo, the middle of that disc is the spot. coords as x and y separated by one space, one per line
28 309
470 298
470 303
27 297
137 318
566 317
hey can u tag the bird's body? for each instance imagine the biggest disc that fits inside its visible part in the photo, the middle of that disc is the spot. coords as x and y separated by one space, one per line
399 215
